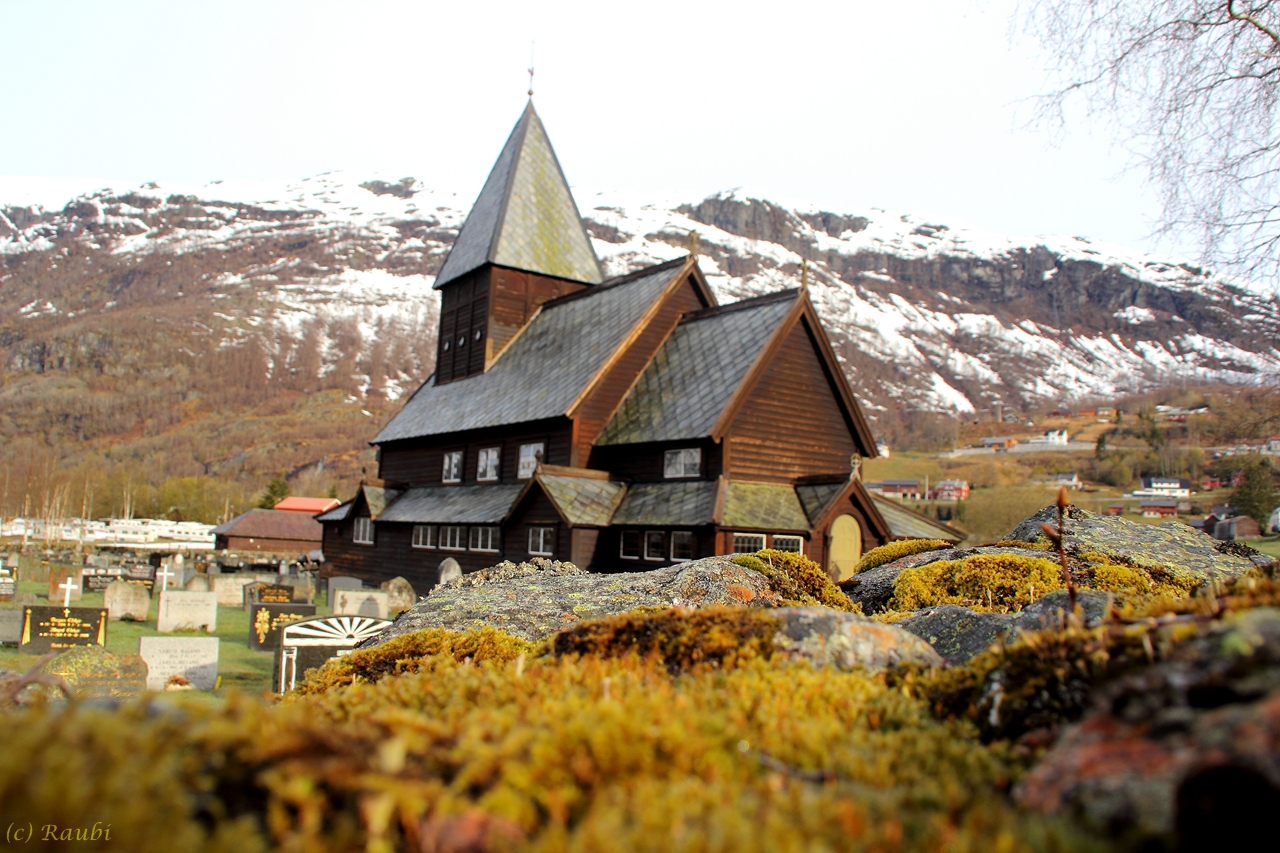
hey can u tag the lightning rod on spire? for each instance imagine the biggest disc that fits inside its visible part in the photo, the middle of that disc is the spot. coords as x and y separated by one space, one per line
530 68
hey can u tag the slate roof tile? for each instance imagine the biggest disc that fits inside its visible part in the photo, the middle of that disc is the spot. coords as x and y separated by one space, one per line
544 369
488 504
768 506
691 380
583 500
683 503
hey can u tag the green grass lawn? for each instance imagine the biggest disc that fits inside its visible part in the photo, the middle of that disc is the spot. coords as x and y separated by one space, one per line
238 666
1269 545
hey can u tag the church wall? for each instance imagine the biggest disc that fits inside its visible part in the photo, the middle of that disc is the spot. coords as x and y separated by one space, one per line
464 308
536 510
791 425
513 297
643 463
392 555
419 462
594 414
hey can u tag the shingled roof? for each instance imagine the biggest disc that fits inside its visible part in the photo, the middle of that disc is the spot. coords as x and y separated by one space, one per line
545 368
272 524
908 524
481 504
525 216
691 380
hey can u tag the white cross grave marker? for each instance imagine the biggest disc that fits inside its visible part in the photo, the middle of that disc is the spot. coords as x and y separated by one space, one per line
163 575
67 586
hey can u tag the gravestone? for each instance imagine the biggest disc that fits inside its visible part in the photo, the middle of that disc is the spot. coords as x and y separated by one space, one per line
450 570
267 593
98 579
197 583
401 593
8 588
194 659
230 589
48 629
25 599
187 611
308 644
142 575
342 582
10 626
267 620
304 588
361 602
58 575
125 600
95 673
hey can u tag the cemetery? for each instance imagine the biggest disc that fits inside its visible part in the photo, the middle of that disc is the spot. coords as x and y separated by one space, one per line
121 627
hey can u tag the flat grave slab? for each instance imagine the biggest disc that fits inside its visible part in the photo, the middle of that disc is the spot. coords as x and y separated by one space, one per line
362 602
230 589
342 582
308 644
194 659
93 672
187 611
49 629
125 600
267 620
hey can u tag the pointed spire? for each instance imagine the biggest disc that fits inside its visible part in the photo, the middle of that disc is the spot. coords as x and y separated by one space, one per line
525 216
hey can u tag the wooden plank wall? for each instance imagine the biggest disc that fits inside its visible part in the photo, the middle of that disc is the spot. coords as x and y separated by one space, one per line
419 462
791 426
393 555
464 309
513 297
598 408
535 511
643 463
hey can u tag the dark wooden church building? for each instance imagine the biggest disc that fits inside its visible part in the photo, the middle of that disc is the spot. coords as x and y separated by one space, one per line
622 424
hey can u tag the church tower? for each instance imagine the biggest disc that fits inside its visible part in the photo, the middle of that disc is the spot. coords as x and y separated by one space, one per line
522 244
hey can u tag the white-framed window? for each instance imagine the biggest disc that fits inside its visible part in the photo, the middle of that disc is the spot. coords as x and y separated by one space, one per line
681 545
686 462
487 464
748 543
424 536
484 539
452 469
794 544
451 538
530 455
542 541
363 534
655 545
630 549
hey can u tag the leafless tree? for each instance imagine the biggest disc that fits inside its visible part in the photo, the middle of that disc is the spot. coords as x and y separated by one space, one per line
1190 87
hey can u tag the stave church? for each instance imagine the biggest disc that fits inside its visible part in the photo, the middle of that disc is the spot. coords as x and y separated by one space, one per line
622 424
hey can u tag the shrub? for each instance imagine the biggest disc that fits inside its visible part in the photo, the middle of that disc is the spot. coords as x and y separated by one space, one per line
897 550
798 581
1000 582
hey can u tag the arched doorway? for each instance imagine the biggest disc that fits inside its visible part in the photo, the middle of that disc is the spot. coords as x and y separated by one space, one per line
846 546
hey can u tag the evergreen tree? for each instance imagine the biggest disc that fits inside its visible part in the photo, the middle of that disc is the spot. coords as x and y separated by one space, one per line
1256 496
277 490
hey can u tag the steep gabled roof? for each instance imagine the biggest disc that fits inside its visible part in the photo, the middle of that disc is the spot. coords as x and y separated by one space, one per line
546 367
906 523
685 389
479 504
763 506
272 524
582 497
673 503
525 216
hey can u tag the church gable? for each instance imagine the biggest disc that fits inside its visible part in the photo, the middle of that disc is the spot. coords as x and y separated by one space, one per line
793 420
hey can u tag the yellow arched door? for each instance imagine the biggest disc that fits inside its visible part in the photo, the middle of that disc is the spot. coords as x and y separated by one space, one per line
846 546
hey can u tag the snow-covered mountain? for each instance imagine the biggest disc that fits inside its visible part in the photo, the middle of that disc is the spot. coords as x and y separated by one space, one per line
926 315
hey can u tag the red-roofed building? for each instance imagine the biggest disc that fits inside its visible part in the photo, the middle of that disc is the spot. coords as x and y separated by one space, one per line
311 506
269 530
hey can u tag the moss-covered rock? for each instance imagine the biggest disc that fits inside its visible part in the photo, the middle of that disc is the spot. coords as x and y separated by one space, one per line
897 550
797 580
983 582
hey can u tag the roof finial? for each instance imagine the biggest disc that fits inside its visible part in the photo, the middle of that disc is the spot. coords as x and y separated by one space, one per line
530 68
804 272
693 243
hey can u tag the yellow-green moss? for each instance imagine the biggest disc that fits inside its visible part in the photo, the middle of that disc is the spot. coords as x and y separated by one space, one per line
897 550
797 580
411 652
1131 581
1042 545
681 638
999 582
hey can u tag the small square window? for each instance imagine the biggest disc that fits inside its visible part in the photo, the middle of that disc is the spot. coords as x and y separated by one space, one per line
542 541
424 536
748 543
686 462
484 539
363 534
452 472
655 545
630 545
487 465
794 544
530 456
451 538
681 545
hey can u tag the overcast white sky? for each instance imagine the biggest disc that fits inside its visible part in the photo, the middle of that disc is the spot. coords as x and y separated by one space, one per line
906 106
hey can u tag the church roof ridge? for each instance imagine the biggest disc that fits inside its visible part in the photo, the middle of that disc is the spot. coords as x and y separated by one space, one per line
525 217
